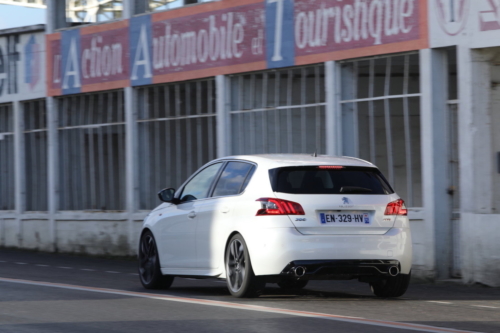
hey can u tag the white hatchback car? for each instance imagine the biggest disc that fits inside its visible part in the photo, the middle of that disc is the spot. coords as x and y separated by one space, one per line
283 219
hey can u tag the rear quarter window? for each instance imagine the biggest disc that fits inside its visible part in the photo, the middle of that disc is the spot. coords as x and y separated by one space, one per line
313 180
233 179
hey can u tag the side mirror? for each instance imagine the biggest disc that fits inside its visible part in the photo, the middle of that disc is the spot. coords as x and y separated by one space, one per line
167 195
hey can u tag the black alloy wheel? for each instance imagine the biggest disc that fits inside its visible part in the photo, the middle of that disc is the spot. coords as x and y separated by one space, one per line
149 264
240 278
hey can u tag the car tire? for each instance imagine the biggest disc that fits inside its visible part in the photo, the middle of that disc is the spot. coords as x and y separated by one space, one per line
394 286
240 278
149 264
292 284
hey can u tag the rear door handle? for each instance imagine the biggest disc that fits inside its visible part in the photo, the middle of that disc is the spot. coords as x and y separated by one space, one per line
192 215
225 209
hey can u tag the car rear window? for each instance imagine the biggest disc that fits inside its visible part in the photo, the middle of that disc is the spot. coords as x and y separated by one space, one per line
316 180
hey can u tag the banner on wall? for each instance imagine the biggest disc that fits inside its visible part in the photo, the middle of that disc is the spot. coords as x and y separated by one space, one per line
474 23
228 37
22 57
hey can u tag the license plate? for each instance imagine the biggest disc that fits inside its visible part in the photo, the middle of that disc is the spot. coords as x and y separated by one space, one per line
341 218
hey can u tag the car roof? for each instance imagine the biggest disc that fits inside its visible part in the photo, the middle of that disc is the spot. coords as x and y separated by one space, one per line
272 161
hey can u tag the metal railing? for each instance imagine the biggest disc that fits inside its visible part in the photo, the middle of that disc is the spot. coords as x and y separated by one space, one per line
35 154
6 157
177 131
279 111
92 151
380 100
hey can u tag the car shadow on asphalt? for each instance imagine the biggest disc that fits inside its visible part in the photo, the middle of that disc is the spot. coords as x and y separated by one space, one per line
271 292
341 291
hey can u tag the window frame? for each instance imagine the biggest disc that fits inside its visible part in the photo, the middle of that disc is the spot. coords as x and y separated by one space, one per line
180 191
350 101
210 188
149 11
252 166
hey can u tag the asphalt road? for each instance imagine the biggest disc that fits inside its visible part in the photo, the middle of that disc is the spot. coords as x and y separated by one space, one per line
41 292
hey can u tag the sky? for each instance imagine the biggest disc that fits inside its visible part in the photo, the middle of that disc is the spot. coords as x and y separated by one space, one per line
16 16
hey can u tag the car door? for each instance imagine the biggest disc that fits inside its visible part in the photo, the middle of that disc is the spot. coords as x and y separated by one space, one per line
178 225
215 214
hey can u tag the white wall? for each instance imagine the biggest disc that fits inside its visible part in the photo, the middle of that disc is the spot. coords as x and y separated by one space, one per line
495 134
85 233
481 248
479 126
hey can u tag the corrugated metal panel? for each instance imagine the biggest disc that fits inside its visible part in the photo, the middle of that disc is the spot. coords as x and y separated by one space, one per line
177 134
279 111
6 157
35 143
92 151
380 103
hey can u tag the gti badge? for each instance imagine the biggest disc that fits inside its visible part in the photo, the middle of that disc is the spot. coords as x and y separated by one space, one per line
346 201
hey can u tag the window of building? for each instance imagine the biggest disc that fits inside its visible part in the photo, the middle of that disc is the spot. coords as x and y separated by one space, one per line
157 5
35 143
177 131
92 151
279 111
90 11
6 157
380 101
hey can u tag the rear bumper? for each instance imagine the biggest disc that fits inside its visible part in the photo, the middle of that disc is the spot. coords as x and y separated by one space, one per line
339 269
271 250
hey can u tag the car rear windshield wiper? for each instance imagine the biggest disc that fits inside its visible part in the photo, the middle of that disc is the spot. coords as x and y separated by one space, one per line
355 189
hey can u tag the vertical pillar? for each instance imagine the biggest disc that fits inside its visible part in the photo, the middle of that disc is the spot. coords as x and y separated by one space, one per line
19 166
55 19
134 7
131 157
55 15
223 117
333 115
53 167
476 160
128 11
435 164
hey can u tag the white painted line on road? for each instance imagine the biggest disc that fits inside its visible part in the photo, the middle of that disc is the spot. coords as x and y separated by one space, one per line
65 267
133 274
486 306
88 269
20 263
317 315
42 265
2 261
113 272
438 302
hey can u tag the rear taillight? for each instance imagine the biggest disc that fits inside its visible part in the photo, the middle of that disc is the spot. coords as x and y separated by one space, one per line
396 208
272 206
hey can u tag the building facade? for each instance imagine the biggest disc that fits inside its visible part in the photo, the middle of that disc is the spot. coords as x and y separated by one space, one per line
138 104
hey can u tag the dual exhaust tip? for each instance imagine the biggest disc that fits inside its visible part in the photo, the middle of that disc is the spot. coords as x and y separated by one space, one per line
300 271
